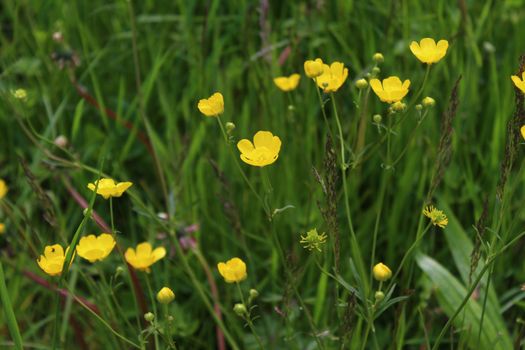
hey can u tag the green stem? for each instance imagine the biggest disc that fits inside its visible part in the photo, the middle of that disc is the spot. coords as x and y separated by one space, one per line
243 174
8 311
154 307
323 109
354 245
407 254
248 318
167 328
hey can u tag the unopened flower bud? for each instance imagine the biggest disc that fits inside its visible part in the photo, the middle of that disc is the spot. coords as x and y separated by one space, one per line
150 316
428 102
398 106
230 127
378 57
61 141
381 272
240 309
20 94
419 107
361 84
379 296
253 294
119 270
165 296
376 70
291 108
377 118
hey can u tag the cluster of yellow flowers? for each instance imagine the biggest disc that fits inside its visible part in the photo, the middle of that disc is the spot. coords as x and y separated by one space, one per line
97 248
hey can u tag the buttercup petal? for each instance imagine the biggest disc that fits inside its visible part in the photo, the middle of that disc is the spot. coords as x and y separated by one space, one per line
263 139
158 253
245 146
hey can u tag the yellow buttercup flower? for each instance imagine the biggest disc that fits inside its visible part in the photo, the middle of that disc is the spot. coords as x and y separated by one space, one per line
165 296
234 270
333 77
381 272
437 217
427 51
3 188
520 83
144 256
109 188
287 83
313 68
2 228
53 259
263 151
212 106
94 248
391 90
523 131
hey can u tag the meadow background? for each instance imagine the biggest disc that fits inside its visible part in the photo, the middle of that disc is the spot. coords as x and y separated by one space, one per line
82 84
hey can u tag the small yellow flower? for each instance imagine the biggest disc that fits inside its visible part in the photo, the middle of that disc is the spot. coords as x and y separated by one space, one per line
313 68
520 83
3 189
313 240
109 188
165 296
523 131
234 270
287 83
381 272
263 151
144 256
53 259
94 248
427 51
212 106
2 228
437 217
391 90
20 94
333 77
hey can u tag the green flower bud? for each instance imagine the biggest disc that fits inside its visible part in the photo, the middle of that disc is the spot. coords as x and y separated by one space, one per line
377 118
240 310
378 57
361 84
150 316
428 102
379 296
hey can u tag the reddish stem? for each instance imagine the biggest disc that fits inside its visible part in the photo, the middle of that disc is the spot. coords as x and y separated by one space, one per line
63 292
82 92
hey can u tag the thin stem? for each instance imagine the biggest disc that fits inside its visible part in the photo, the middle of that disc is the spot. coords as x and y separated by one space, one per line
142 107
354 245
8 311
248 318
167 328
407 254
243 174
154 307
322 108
